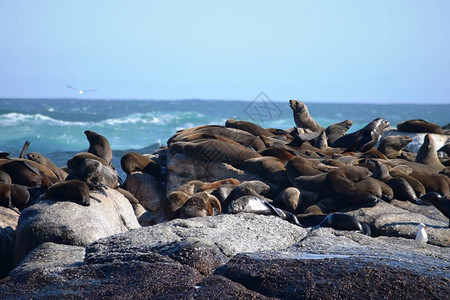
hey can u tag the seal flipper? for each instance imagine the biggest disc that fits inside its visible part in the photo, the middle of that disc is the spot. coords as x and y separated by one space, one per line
291 218
24 149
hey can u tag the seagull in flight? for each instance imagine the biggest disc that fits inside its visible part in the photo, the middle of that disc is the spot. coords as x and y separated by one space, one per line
81 92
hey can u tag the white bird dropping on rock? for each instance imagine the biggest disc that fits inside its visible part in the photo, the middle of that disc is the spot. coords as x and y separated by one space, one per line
421 236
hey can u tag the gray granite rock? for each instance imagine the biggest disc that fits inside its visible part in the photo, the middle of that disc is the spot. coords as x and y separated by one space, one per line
73 224
8 223
389 220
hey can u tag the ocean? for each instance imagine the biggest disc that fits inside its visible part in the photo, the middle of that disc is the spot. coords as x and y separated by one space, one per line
55 127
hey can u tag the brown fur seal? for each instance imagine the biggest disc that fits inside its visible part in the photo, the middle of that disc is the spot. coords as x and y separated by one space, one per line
321 141
132 162
5 178
78 159
239 136
302 118
99 145
392 146
23 173
337 130
427 154
420 126
280 153
194 207
41 159
172 203
72 190
215 151
438 201
288 199
13 196
211 186
269 168
299 166
363 139
433 182
247 126
95 174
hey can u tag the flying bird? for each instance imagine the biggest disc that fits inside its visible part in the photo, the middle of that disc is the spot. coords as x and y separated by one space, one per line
421 236
81 92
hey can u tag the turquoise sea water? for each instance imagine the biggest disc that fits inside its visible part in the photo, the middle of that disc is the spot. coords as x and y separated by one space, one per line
56 127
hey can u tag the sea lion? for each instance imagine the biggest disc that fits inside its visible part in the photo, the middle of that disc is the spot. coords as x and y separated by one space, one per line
23 173
211 186
41 159
247 126
299 166
247 188
337 130
288 199
340 186
194 207
78 159
440 202
249 204
321 141
215 151
239 136
269 168
132 162
343 221
420 126
402 189
363 139
172 203
433 182
13 196
5 178
280 153
392 145
95 174
427 154
302 118
71 190
99 145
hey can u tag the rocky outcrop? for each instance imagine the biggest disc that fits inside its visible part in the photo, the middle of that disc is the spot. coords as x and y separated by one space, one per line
8 223
69 223
232 256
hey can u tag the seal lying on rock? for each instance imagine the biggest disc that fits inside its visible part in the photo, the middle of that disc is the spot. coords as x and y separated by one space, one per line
72 190
342 221
13 196
420 126
133 162
45 161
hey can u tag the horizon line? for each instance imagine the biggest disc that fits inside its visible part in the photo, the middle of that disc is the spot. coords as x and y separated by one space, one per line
236 100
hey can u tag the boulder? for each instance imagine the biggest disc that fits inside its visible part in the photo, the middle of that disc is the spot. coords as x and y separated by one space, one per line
8 223
389 220
69 223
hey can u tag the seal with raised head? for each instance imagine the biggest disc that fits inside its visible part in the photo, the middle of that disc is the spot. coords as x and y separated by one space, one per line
392 145
441 203
427 154
363 139
337 130
99 145
302 118
71 190
288 199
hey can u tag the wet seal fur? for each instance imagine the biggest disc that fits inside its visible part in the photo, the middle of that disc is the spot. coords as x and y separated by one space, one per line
363 139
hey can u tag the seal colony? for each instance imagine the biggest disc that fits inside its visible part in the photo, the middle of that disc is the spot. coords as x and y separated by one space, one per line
308 175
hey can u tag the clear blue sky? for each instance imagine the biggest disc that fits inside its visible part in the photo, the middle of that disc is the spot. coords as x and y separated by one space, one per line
353 51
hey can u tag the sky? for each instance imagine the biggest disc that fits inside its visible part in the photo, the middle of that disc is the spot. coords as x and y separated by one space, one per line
316 51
